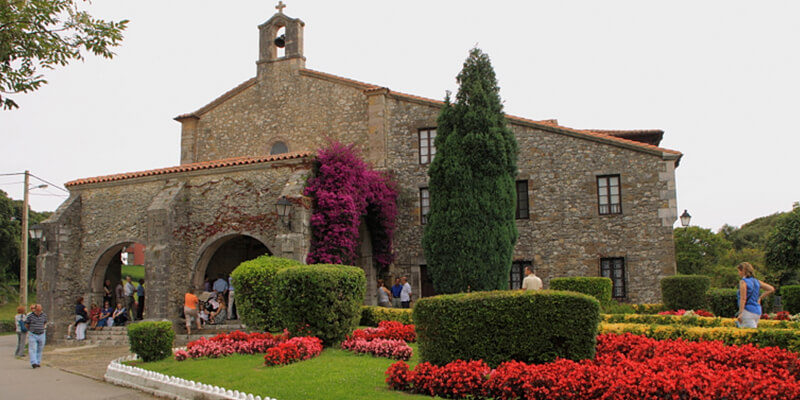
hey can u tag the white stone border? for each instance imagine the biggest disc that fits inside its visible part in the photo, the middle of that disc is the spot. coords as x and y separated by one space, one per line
168 386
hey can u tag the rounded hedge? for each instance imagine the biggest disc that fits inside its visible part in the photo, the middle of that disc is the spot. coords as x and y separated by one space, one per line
685 292
151 340
322 300
255 291
722 302
498 326
790 298
373 315
595 286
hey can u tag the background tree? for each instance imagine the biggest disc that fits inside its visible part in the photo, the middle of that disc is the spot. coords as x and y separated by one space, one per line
470 233
753 234
43 34
782 249
697 249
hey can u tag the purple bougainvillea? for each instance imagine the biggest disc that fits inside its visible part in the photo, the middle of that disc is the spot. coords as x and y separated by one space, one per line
345 189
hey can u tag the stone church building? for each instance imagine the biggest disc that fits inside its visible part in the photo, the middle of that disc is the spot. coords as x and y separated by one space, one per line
590 203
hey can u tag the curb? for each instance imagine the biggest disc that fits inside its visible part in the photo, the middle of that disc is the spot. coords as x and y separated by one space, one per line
166 386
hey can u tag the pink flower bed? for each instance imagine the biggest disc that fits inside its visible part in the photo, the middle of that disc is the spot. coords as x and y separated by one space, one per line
625 367
387 340
279 349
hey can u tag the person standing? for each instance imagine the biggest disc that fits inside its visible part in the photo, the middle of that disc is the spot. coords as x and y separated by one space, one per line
383 294
396 290
119 293
140 295
531 281
190 304
81 319
130 302
220 285
232 311
108 296
36 324
22 332
405 294
749 296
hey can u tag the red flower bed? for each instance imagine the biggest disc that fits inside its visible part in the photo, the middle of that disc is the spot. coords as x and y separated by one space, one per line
626 367
294 349
387 330
225 344
699 313
780 316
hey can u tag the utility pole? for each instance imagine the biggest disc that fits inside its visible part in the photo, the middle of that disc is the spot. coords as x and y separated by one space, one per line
23 254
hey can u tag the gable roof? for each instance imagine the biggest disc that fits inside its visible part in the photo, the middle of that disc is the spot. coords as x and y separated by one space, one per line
205 165
641 140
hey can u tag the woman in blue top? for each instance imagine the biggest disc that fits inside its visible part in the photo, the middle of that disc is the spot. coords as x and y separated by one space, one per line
749 296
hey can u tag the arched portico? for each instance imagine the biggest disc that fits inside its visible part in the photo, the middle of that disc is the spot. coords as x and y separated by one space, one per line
108 266
222 254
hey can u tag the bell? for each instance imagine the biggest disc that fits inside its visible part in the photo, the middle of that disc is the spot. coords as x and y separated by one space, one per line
280 41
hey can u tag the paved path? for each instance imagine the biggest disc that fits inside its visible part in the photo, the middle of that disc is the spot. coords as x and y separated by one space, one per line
19 381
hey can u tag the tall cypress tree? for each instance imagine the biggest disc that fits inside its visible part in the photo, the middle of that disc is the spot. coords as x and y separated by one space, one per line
470 234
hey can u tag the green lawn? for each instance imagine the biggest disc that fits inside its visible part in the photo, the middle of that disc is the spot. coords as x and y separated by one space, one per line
9 310
135 271
334 374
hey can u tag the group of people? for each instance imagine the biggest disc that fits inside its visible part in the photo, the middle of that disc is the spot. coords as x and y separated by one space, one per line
399 296
33 327
128 294
214 306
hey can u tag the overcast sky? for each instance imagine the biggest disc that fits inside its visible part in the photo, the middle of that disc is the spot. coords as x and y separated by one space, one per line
721 78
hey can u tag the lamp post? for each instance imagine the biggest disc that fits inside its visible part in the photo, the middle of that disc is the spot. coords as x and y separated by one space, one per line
284 209
685 218
23 254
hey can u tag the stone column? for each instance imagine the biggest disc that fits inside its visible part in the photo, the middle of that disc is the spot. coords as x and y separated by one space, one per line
160 250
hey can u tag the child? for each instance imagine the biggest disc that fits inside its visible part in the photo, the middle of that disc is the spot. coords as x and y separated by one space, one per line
94 316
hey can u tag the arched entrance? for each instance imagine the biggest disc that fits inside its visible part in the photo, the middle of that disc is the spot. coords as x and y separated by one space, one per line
110 267
224 254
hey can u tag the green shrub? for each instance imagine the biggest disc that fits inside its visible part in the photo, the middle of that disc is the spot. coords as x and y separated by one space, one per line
321 300
497 326
255 291
790 298
595 286
685 292
372 315
151 340
722 302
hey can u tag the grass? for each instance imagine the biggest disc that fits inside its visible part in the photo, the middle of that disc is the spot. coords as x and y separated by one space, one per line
9 310
135 271
334 374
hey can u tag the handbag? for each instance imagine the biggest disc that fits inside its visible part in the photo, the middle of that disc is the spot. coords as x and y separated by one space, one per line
22 328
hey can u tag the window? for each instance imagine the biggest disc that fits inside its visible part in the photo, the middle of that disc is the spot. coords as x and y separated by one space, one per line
426 148
614 268
279 148
522 200
608 195
517 274
424 205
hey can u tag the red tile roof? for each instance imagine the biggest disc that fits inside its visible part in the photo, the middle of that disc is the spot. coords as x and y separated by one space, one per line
228 162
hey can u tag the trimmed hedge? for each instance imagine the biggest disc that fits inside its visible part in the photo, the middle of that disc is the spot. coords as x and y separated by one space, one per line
595 286
788 339
722 302
498 326
255 291
322 300
685 292
790 298
372 315
151 340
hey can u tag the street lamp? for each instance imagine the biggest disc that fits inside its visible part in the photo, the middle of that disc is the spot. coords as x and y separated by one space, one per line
284 209
36 231
685 218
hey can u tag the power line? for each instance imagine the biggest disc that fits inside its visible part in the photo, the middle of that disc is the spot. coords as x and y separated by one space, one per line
14 173
51 184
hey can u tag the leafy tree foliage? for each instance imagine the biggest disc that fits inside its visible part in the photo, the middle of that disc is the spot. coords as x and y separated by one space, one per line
782 249
698 248
43 34
470 234
11 236
752 234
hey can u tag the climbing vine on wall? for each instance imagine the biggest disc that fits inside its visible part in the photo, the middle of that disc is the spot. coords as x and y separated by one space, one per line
345 189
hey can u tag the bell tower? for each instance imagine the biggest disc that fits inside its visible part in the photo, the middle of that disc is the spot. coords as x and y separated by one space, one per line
280 40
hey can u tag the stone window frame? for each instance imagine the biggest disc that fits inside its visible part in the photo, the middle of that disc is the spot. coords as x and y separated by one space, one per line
518 271
424 205
605 190
277 140
522 212
427 148
614 269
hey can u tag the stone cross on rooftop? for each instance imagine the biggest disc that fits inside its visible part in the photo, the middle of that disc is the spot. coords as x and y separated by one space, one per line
280 7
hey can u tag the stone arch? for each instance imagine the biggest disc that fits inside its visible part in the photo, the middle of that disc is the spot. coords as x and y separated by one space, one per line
107 265
224 252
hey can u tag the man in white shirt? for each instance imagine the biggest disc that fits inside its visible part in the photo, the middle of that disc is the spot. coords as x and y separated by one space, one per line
405 294
531 281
